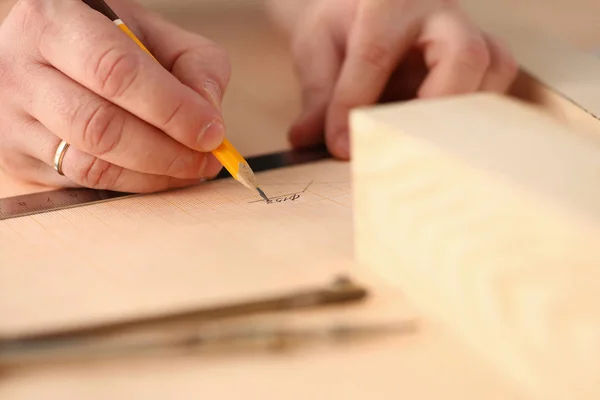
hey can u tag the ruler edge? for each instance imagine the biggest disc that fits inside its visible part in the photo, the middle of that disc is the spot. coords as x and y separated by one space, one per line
269 161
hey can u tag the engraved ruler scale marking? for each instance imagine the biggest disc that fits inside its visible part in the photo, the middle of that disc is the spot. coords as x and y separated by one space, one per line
35 203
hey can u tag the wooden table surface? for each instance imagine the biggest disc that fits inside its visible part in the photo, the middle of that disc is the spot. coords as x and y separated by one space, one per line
261 102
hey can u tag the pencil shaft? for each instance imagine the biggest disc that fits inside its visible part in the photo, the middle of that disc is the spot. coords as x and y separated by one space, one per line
229 157
102 7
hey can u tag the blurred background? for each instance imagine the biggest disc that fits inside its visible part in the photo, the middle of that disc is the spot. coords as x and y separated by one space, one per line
262 99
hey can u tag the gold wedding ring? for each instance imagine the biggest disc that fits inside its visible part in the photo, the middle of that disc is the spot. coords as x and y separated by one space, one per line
59 156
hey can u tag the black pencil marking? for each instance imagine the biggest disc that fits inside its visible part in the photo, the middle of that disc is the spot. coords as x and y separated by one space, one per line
262 194
289 196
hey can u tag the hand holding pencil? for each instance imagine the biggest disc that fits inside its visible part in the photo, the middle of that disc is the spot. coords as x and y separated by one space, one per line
129 123
80 97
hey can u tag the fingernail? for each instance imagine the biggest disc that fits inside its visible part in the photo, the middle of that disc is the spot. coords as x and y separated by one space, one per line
211 137
214 92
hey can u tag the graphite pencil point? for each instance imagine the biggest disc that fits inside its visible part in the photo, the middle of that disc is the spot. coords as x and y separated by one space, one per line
262 194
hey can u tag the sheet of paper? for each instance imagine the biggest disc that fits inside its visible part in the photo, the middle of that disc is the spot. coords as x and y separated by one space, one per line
146 254
212 243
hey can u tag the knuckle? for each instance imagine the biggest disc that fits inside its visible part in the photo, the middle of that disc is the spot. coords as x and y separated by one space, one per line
25 10
475 54
218 69
28 15
176 165
175 116
98 174
101 127
376 55
31 6
316 93
220 60
13 78
115 70
184 166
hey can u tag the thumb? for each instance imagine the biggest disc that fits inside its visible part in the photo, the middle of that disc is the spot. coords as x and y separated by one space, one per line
317 63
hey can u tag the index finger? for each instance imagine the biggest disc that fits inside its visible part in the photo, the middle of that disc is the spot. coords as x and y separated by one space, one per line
379 38
87 47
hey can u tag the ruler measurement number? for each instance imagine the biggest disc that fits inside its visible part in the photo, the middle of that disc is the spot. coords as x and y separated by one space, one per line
14 207
49 201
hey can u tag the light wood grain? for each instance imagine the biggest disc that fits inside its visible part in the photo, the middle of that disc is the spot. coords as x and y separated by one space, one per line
487 216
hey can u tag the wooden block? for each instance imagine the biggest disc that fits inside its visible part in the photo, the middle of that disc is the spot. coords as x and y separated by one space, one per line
485 211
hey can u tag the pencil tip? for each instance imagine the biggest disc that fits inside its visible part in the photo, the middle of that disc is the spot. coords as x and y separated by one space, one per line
262 194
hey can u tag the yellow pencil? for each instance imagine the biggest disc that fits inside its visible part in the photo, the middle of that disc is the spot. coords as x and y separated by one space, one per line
227 155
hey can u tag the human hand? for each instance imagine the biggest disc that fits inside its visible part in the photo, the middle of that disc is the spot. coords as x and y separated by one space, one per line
68 73
351 53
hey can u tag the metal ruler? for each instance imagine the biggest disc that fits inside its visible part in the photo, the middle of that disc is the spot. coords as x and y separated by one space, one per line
36 203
